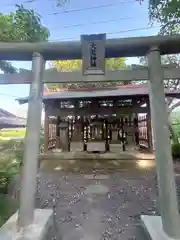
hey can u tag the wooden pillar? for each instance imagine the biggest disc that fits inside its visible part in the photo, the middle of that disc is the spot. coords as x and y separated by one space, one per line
118 128
74 128
149 131
123 135
46 130
83 133
136 132
126 124
102 129
90 128
64 136
130 130
106 136
149 128
71 124
75 131
58 142
68 136
87 129
109 127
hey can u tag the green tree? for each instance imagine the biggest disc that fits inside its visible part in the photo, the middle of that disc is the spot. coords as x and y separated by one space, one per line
167 13
22 25
75 65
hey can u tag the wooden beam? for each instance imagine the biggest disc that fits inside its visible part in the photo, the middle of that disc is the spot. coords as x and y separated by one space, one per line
88 112
52 76
46 131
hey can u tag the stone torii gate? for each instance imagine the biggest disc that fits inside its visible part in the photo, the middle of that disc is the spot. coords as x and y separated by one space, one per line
93 49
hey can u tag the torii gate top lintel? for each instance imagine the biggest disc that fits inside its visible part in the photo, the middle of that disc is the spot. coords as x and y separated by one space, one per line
114 48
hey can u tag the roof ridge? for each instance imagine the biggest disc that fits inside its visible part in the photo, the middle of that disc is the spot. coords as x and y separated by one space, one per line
6 113
55 90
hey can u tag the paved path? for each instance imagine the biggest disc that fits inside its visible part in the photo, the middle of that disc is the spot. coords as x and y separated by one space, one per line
103 207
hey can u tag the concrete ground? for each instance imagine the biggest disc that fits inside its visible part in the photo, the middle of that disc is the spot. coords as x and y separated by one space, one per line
94 201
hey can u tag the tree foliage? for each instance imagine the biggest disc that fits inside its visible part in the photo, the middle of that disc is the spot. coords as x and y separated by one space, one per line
22 25
6 67
172 84
66 65
75 65
167 13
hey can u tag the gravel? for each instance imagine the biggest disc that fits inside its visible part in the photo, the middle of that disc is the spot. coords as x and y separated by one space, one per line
82 213
98 206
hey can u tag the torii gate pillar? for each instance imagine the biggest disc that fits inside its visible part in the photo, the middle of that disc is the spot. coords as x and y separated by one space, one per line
170 219
32 141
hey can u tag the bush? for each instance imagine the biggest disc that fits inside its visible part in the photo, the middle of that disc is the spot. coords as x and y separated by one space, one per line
175 147
11 158
8 207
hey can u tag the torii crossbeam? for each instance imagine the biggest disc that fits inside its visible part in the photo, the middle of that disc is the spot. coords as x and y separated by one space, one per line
152 47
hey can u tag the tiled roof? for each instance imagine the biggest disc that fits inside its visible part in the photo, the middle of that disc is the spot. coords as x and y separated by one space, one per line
12 121
5 113
118 90
9 119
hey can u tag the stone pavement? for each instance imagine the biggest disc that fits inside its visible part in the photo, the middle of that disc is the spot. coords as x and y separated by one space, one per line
97 206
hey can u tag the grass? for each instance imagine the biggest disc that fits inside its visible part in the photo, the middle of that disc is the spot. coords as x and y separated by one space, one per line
8 207
8 144
5 133
3 141
10 158
10 163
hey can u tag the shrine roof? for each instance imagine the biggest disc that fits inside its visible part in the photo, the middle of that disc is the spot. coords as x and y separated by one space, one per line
88 93
10 120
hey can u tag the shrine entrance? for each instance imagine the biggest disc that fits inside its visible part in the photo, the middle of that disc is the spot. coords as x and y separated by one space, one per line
96 135
93 50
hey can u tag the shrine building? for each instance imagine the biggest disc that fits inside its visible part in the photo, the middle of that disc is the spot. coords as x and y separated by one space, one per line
97 118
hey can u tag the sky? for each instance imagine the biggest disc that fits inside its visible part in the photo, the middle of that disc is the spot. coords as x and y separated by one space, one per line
116 18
